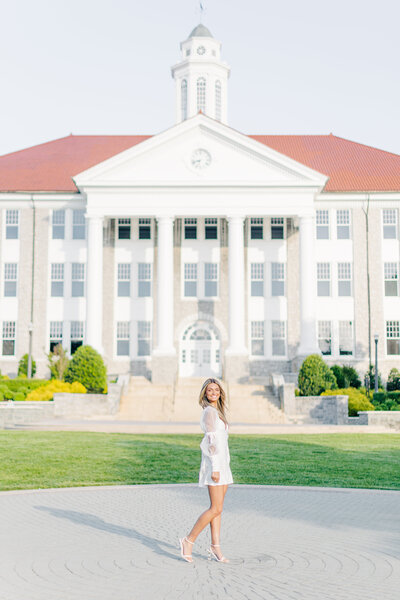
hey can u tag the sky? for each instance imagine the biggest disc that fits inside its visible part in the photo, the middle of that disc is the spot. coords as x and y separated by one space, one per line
104 67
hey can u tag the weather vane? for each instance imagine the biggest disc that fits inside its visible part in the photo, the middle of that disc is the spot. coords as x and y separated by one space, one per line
202 10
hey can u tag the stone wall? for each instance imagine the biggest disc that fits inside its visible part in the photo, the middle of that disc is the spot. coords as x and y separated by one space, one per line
386 418
325 410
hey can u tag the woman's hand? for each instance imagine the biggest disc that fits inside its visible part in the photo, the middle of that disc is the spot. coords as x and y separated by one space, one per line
215 476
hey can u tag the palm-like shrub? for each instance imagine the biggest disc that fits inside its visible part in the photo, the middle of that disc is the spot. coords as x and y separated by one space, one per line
315 376
87 367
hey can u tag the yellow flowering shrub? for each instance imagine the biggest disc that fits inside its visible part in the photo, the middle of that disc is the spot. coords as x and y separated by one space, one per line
47 391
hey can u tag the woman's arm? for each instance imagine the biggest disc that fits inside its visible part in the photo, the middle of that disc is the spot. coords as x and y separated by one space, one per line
211 447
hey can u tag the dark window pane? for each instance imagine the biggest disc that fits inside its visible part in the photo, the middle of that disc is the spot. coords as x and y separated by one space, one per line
393 346
210 288
211 232
343 232
12 232
389 232
278 347
257 288
124 232
57 288
124 288
325 347
75 345
54 343
8 347
190 232
58 232
144 289
322 232
278 288
323 288
10 288
144 232
123 348
256 232
277 232
391 288
143 348
78 232
257 347
190 288
77 289
344 288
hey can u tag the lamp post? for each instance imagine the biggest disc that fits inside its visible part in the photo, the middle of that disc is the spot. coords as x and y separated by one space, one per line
376 338
29 370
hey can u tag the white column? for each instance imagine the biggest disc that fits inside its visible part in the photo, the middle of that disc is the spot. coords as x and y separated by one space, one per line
94 283
165 287
236 286
308 287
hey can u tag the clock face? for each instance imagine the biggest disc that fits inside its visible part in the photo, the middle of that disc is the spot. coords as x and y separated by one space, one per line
201 50
201 158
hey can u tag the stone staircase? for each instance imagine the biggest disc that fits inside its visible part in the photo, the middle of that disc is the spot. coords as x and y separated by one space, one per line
144 401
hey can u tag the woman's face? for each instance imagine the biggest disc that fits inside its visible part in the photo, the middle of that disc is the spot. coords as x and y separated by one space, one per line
212 392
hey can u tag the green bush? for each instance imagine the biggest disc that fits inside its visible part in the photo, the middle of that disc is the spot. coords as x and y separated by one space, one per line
58 362
18 396
371 375
1 397
394 395
346 376
393 382
315 376
88 368
23 366
357 400
20 383
386 400
379 397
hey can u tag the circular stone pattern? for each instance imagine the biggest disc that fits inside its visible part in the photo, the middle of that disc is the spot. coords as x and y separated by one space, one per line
122 542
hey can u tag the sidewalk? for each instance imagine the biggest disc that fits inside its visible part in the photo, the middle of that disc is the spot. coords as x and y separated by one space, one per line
284 543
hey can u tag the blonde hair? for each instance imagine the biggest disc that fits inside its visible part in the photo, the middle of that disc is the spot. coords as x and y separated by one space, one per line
221 402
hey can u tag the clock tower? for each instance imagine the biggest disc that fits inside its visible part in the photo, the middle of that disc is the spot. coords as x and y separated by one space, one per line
201 77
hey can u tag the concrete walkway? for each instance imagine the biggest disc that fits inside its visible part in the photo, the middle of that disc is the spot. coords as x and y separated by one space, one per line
120 543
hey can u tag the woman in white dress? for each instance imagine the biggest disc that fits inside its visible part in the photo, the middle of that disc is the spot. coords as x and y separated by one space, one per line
215 472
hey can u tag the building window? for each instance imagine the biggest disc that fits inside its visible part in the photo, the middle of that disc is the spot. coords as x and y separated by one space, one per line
144 280
257 338
124 280
211 229
210 280
76 335
190 229
344 279
56 334
78 280
389 216
123 338
144 338
393 337
201 95
343 224
325 337
10 279
218 102
322 224
190 277
277 279
12 223
144 229
8 338
78 225
391 271
57 279
124 229
58 224
277 228
256 228
345 338
323 279
278 338
257 279
184 99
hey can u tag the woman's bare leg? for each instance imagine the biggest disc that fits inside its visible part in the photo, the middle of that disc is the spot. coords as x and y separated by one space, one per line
217 495
215 526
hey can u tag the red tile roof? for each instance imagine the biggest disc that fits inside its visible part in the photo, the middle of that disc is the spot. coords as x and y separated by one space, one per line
350 166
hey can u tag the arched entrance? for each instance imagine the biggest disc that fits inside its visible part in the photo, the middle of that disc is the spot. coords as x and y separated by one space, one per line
200 352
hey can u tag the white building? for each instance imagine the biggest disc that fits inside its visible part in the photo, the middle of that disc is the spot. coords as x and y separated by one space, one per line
201 250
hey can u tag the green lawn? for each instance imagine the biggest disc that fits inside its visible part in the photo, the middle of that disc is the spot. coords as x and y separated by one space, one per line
61 459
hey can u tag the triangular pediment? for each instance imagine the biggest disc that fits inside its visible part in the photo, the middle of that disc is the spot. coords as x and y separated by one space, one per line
200 152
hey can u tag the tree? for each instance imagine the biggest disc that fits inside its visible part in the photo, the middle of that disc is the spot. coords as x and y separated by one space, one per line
58 362
88 368
23 366
393 382
346 376
371 375
315 376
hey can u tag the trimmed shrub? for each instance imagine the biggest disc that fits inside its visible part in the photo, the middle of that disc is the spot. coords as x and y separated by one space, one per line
346 376
394 396
46 392
357 400
23 366
18 396
87 366
315 376
19 383
1 397
393 382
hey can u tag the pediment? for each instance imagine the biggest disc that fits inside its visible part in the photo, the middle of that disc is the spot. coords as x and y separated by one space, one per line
200 152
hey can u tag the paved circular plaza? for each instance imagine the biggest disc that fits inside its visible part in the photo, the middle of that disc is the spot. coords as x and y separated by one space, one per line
121 543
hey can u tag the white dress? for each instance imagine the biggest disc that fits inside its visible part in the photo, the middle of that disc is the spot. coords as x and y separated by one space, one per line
214 449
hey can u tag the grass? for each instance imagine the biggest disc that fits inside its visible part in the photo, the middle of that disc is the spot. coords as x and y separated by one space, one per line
31 460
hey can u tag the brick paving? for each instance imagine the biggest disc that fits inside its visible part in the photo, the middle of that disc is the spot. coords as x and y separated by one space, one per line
120 543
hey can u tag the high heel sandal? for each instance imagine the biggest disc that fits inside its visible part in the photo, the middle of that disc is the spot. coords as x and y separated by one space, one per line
185 556
213 555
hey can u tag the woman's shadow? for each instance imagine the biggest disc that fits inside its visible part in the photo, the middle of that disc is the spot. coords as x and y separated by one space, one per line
88 520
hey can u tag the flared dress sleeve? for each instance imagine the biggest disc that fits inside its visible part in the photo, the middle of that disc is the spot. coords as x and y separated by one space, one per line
210 444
